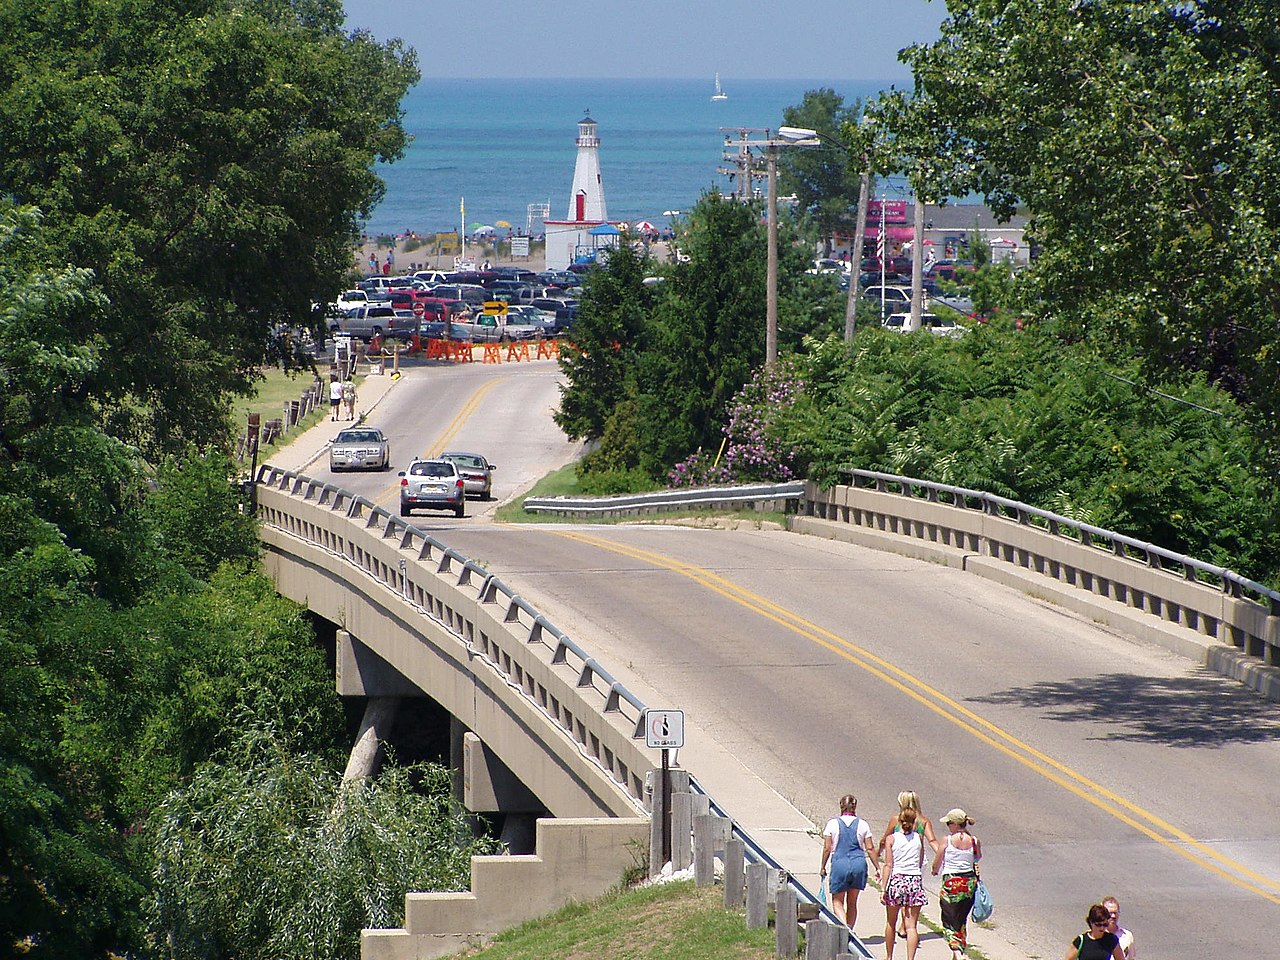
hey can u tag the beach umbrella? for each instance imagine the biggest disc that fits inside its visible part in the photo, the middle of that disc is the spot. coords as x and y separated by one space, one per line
644 226
482 230
502 223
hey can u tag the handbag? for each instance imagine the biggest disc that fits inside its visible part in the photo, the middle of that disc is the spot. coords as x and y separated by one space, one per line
982 903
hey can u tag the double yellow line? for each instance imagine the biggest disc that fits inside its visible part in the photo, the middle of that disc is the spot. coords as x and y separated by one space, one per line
1145 822
442 442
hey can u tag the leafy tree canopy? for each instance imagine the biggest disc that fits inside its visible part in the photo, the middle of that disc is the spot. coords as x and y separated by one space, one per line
1142 137
825 179
207 161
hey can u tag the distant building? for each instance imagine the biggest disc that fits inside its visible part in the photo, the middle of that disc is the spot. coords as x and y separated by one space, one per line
586 228
947 229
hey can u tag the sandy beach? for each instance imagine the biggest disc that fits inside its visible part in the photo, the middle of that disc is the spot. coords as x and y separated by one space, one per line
410 252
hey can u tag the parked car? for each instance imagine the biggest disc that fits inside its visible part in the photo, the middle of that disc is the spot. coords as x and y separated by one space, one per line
826 265
431 276
360 448
948 269
892 264
351 298
474 294
477 473
432 485
895 298
526 315
937 324
512 291
369 322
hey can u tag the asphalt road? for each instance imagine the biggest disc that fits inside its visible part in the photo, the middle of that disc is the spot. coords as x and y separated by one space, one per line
1092 763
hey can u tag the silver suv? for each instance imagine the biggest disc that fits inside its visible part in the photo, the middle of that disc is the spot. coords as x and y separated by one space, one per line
432 485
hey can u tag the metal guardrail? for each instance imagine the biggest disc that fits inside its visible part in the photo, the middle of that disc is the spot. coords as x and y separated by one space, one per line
755 853
667 500
489 588
1158 558
485 587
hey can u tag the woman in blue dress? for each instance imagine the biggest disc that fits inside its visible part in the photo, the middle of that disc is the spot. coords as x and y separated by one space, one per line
848 848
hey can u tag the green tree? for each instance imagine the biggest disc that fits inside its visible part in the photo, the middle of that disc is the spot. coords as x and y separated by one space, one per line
607 337
207 160
267 854
822 179
1142 137
706 334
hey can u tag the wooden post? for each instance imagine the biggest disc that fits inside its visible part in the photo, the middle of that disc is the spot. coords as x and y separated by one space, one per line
681 831
821 940
788 936
734 861
704 859
757 896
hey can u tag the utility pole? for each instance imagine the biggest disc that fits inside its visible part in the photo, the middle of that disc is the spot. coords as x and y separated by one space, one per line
746 166
855 255
917 265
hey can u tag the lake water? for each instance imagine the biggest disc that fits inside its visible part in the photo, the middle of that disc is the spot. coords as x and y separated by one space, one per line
504 144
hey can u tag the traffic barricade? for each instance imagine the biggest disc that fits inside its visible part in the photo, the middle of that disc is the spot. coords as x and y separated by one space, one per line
517 350
491 353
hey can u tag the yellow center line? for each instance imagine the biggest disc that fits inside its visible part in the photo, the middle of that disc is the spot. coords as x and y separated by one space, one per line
984 730
442 442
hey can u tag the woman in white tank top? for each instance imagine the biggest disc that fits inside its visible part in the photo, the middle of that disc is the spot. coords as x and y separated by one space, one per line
903 883
958 858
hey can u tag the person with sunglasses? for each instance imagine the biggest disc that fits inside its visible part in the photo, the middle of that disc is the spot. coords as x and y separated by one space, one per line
1098 942
1125 936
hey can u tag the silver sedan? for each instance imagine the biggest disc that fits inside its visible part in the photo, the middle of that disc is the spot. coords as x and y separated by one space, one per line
360 448
477 473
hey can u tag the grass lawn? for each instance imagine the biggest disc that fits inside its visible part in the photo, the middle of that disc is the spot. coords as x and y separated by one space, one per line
269 399
664 922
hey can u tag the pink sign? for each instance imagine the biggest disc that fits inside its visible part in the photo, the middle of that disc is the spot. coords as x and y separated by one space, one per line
895 211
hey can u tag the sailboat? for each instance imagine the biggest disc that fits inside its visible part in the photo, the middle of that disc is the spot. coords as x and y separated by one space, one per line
719 94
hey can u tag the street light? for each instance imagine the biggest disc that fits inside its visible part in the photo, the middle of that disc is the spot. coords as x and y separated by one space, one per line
804 135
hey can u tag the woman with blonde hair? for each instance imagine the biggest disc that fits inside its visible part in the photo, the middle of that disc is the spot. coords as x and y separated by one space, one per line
848 846
908 800
902 880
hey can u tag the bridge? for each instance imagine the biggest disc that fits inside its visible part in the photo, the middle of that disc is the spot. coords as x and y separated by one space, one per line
545 732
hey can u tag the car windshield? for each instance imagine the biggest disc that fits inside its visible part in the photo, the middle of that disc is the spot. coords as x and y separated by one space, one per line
467 460
432 469
359 436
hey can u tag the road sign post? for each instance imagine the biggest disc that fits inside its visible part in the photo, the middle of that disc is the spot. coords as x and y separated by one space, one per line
664 730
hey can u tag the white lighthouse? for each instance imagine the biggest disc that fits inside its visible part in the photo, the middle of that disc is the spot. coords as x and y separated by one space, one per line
586 228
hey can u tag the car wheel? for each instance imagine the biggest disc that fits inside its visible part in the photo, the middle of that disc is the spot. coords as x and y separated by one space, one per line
405 510
461 509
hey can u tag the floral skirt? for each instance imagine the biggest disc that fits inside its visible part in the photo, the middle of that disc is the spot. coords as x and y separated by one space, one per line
956 898
905 890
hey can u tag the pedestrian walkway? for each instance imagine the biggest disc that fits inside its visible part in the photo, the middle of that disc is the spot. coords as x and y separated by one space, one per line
305 448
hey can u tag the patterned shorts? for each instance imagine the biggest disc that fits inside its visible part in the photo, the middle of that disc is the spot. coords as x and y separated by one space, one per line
905 891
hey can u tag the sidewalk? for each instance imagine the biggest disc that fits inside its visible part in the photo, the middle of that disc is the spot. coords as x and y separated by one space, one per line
305 448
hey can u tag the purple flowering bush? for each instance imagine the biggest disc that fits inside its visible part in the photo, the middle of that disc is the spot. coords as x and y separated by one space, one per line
755 449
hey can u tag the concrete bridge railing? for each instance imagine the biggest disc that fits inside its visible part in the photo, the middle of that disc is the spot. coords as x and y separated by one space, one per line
1139 588
465 638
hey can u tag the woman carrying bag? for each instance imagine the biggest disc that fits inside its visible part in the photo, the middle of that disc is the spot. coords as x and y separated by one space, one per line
958 857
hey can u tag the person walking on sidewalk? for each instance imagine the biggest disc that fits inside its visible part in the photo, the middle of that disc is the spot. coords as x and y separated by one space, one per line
848 847
335 398
958 858
902 880
349 398
908 800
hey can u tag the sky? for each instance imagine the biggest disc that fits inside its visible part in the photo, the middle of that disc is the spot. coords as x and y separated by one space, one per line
739 39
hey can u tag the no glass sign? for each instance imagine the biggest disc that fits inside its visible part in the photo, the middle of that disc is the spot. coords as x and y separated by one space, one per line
664 729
